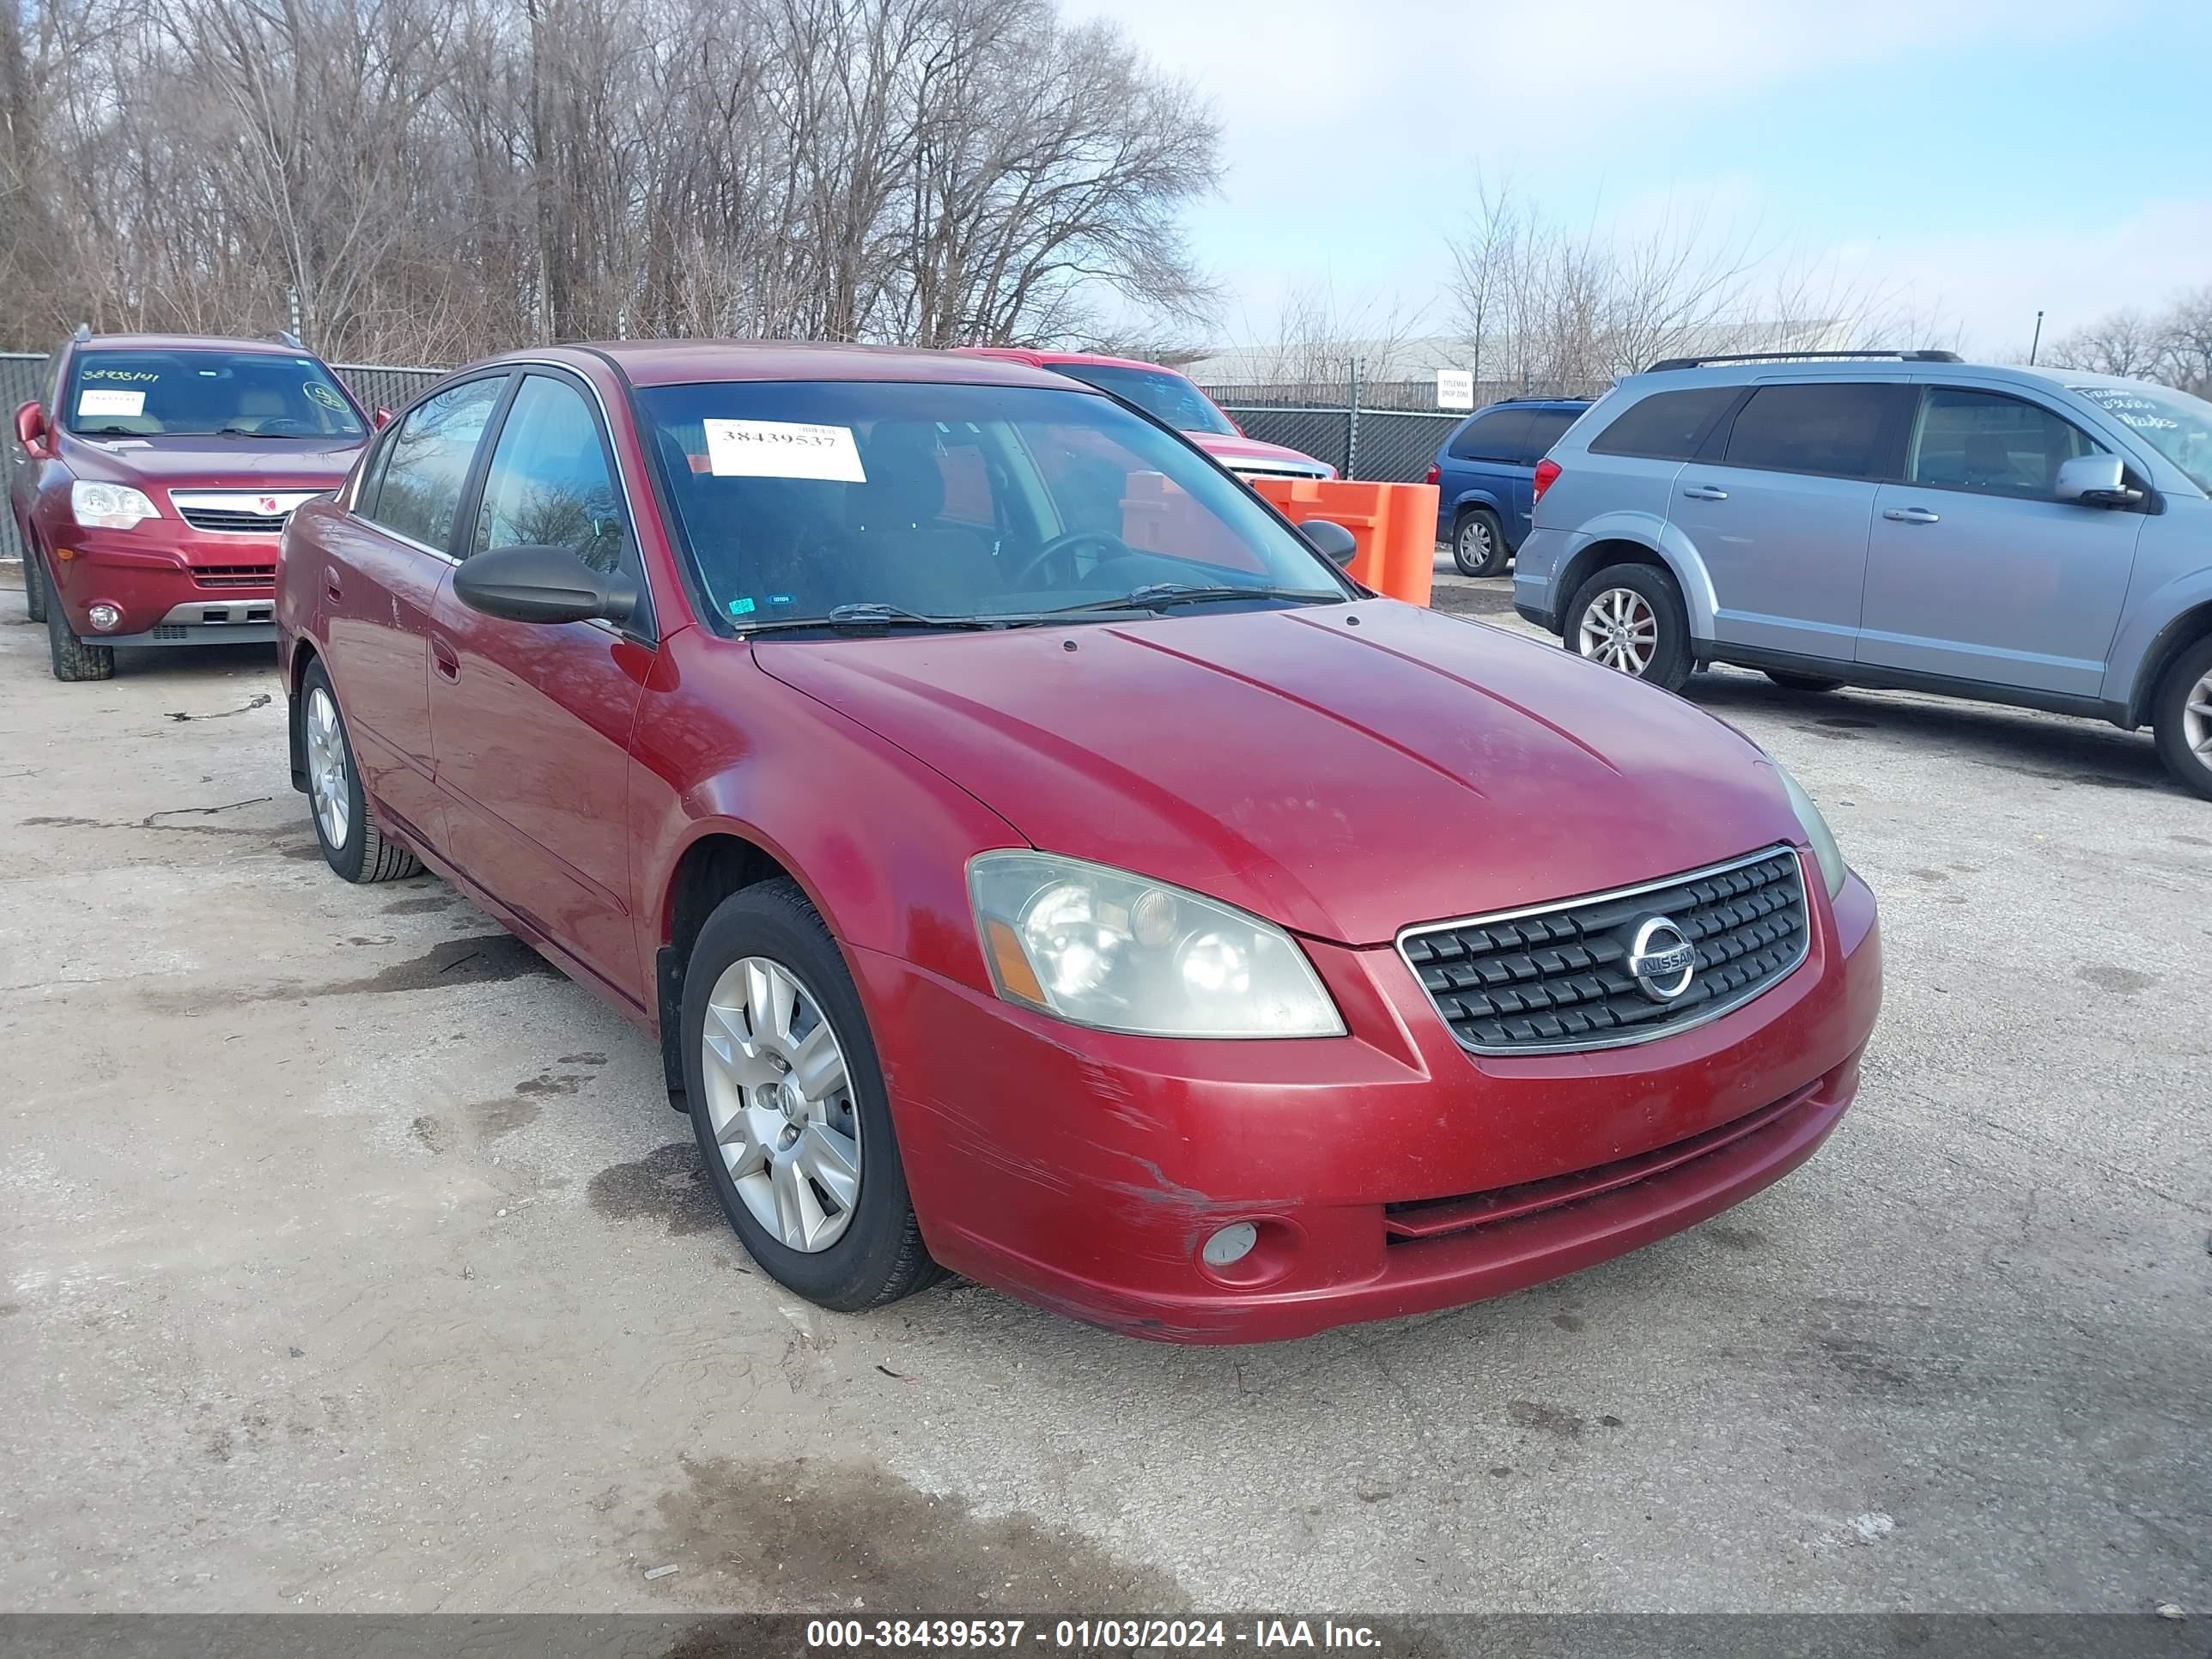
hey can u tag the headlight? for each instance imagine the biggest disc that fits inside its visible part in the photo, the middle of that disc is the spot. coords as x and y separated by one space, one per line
1100 947
1831 858
109 507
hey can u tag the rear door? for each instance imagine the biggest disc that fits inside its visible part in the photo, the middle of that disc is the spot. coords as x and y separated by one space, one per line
532 722
1976 570
383 567
1779 504
1482 459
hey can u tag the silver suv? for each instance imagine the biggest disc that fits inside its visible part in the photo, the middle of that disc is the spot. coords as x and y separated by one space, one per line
1900 518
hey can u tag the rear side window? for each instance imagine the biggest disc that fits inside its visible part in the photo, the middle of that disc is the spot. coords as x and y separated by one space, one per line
425 461
1500 435
1545 426
1666 425
1834 430
1984 440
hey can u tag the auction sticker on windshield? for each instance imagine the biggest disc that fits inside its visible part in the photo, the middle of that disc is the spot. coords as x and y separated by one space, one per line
109 402
782 449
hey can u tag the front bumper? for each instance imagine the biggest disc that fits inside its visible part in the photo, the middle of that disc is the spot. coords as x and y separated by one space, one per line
174 584
1388 1172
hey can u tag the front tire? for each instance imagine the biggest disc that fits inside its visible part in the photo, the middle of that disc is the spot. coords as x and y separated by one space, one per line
35 584
1478 543
788 1102
2181 715
73 658
345 825
1630 617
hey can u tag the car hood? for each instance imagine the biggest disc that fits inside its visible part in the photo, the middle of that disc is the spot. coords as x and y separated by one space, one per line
1342 771
189 462
1230 448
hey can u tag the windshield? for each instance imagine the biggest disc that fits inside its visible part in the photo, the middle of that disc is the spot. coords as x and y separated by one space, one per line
2177 425
255 394
1162 395
792 498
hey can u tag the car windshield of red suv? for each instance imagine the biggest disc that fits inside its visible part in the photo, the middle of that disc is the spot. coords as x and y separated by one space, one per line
824 503
150 394
1162 395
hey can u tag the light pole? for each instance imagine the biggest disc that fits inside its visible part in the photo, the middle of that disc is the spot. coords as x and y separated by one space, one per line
2034 344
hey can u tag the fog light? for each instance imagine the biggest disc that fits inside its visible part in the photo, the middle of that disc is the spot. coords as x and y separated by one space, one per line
1232 1244
103 617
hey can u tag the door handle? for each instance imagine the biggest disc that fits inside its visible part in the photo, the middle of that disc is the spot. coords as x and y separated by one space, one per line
448 659
1910 515
1705 493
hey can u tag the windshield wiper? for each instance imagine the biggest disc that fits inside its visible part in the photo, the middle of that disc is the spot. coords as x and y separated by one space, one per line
1159 596
869 618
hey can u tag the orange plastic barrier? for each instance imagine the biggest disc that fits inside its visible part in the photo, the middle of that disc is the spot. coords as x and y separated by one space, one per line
1394 524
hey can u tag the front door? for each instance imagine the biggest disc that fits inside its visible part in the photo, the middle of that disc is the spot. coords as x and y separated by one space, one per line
532 722
1976 570
1780 508
381 571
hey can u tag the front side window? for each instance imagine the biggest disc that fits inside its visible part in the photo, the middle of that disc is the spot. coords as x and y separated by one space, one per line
548 485
426 460
1500 435
119 393
1666 426
1162 395
2177 425
1800 427
973 502
1986 441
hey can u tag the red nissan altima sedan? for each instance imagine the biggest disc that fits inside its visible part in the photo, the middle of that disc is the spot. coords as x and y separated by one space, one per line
1037 860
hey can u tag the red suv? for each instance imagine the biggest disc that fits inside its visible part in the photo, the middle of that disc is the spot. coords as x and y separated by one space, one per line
1025 846
1175 399
158 479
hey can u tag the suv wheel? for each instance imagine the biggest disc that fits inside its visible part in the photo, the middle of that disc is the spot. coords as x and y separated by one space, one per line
34 588
1801 682
2182 716
787 1100
73 659
1630 617
1479 545
352 844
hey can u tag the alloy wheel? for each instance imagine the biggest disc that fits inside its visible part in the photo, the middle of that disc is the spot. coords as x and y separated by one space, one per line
780 1100
326 768
2197 719
1620 629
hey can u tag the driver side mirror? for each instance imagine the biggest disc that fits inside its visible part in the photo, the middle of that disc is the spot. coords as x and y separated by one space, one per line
1331 541
2096 481
31 430
542 585
383 419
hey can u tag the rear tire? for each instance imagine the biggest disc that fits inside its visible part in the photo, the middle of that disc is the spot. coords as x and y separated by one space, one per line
73 659
1630 618
1802 682
345 825
2181 715
1478 543
35 584
757 1113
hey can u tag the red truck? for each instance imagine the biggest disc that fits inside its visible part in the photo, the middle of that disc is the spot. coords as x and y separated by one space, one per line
1175 398
158 478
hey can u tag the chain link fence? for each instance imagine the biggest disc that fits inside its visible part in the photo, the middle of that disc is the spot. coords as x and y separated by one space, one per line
1383 431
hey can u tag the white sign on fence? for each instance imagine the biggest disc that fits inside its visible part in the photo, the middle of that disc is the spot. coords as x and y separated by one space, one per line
1455 388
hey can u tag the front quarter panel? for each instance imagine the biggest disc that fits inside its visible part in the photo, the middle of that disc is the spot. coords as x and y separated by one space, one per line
879 841
2173 578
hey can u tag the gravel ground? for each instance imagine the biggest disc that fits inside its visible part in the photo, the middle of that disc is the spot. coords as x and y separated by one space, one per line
350 1260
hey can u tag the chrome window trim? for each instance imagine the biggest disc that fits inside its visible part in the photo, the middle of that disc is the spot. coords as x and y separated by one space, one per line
1630 1039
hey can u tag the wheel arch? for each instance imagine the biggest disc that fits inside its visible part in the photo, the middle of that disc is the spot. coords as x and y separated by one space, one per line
1624 544
721 858
304 653
2183 631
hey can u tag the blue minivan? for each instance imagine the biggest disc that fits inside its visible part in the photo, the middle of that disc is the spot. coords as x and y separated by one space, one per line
1484 478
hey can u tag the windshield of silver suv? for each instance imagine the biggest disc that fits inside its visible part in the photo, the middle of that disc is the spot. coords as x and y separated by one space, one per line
867 504
2177 425
245 394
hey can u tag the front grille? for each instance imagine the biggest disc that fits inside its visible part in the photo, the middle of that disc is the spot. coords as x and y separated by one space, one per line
234 576
245 524
1557 977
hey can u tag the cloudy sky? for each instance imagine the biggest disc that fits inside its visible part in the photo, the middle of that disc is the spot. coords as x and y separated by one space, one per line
1981 158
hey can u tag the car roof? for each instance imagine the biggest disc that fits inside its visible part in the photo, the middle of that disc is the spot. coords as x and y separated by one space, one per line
188 343
1881 368
684 363
1089 359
